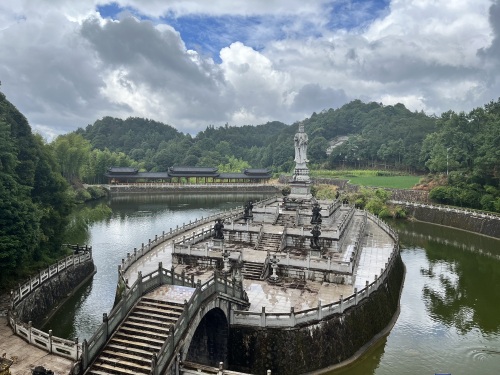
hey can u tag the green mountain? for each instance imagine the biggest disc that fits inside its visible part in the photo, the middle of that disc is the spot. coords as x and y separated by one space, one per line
33 201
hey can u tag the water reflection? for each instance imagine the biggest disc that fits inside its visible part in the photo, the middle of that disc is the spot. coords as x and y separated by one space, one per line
135 219
449 320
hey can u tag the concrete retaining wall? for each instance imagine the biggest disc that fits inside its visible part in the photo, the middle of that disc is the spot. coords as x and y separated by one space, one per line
195 188
35 306
472 221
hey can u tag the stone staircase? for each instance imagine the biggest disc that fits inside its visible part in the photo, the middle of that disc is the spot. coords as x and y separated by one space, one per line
285 219
252 270
269 242
143 333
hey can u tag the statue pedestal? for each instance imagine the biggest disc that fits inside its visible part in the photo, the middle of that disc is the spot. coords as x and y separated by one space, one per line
315 253
217 244
300 189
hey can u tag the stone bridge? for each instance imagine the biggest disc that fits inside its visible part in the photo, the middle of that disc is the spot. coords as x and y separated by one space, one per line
154 326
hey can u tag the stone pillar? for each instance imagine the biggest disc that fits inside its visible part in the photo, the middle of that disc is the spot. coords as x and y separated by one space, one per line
160 273
105 322
263 317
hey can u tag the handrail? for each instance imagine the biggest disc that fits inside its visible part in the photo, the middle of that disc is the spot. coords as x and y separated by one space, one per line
468 211
165 236
282 245
259 237
52 344
293 318
25 289
142 286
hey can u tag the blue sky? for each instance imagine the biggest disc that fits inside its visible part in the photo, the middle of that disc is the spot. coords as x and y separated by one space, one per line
196 63
208 34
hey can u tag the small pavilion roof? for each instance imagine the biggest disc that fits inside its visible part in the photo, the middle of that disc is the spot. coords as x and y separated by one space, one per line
122 170
181 171
139 175
257 172
242 176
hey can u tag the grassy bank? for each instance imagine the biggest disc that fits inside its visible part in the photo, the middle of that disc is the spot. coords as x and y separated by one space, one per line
385 179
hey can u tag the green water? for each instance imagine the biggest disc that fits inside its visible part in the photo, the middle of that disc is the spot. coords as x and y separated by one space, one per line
450 305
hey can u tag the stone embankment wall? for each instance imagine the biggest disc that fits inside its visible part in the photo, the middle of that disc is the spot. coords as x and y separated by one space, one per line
195 188
42 300
472 221
326 343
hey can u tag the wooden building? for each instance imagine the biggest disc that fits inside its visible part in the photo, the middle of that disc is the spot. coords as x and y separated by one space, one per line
179 174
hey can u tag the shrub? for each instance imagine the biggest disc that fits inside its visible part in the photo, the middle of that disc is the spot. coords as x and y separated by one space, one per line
96 192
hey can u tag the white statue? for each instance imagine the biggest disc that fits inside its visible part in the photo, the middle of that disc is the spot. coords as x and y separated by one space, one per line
301 146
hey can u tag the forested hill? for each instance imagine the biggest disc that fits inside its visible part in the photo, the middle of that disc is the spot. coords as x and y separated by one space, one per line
392 135
119 135
33 200
465 145
157 146
388 134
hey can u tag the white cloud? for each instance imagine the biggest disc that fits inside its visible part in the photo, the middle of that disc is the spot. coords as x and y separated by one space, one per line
65 66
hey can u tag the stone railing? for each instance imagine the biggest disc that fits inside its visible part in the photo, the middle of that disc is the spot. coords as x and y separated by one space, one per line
259 237
215 286
172 233
345 221
358 241
23 290
312 263
292 319
54 345
165 236
334 206
465 211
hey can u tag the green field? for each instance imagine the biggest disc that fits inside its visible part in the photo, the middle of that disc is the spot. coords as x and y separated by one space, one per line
396 180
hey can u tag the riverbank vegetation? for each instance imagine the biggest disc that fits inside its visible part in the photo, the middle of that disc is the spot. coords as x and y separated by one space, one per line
34 203
36 198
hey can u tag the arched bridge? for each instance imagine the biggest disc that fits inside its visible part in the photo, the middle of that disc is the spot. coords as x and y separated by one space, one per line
154 326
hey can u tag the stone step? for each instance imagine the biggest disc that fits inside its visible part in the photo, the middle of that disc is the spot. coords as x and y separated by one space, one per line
137 339
165 321
128 350
116 369
252 270
119 355
150 309
135 344
146 333
132 346
170 305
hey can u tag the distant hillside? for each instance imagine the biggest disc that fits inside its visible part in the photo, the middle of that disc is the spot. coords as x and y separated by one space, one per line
465 146
385 134
392 135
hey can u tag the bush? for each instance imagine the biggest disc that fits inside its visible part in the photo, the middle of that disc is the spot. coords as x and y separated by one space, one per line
82 195
97 192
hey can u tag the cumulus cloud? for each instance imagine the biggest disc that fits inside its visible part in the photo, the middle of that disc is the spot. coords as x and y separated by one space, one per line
65 64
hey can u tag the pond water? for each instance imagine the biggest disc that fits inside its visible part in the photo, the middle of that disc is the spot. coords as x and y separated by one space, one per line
450 305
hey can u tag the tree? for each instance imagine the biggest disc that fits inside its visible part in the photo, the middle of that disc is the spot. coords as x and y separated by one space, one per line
71 152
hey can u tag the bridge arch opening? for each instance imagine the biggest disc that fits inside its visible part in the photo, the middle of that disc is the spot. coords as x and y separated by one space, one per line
209 343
